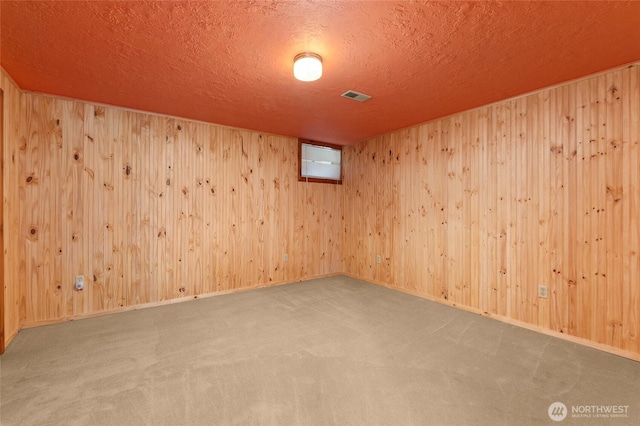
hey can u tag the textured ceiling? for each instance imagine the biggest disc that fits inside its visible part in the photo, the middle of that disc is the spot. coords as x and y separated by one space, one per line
231 62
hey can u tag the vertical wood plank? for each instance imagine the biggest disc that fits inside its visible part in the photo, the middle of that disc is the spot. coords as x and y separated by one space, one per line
614 208
3 315
531 233
599 190
492 188
454 229
471 210
485 214
442 208
503 209
570 225
13 187
544 211
72 205
580 318
136 198
631 199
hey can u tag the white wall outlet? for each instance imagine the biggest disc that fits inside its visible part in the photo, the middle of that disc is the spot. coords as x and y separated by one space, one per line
79 282
378 259
285 258
543 291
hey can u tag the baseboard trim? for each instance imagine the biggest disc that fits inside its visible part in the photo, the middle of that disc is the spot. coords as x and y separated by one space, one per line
33 324
578 340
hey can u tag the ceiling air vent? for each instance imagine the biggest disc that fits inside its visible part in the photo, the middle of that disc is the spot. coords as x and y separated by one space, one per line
356 96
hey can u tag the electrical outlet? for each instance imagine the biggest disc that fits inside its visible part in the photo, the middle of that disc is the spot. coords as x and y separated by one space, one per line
378 259
285 258
543 291
79 285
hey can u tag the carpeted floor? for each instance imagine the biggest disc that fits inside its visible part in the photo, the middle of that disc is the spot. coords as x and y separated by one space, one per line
332 351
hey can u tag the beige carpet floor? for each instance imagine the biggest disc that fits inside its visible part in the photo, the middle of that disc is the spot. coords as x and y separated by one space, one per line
333 351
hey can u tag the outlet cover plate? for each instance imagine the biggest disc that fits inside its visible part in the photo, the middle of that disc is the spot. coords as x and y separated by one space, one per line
543 291
79 284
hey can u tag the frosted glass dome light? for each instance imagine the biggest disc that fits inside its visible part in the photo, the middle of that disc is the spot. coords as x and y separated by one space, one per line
307 66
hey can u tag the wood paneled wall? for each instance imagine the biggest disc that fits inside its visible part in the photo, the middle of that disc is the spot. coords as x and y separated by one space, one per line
478 209
152 209
474 210
12 111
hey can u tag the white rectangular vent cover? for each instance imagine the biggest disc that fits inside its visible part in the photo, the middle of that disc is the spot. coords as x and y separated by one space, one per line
356 96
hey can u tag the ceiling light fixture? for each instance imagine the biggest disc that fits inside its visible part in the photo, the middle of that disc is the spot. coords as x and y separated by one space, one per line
307 66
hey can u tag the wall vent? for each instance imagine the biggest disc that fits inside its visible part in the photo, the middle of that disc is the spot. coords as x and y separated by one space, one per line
356 96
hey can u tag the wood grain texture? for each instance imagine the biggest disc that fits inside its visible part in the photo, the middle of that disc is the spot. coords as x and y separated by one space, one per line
153 209
481 207
12 253
2 285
